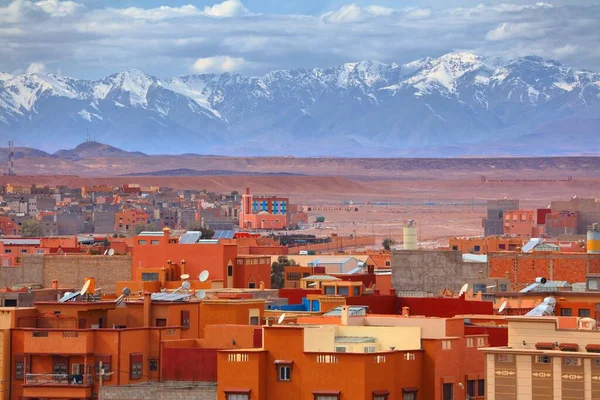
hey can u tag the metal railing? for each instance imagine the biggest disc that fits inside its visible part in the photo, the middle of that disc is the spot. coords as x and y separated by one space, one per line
58 379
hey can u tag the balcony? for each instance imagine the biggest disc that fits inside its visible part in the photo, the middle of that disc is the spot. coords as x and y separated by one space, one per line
62 385
59 342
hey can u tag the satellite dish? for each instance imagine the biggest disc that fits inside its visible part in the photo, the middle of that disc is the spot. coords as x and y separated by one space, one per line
281 318
67 294
463 289
186 285
490 287
200 294
111 252
203 276
85 287
184 277
502 307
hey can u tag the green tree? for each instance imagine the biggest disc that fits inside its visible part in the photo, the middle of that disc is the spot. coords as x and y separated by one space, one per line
32 228
106 243
277 271
388 243
139 228
195 226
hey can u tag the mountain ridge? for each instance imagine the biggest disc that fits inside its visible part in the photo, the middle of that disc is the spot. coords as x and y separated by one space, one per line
453 105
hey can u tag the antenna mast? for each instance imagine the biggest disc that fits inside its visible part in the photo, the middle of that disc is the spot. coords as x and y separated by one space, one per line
11 158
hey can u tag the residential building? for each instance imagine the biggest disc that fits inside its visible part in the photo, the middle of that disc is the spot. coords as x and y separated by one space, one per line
486 244
264 213
493 225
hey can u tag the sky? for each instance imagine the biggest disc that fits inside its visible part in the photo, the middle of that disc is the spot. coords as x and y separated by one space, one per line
92 39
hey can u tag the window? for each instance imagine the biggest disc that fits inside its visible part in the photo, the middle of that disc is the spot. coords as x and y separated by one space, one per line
387 263
455 248
23 250
60 365
149 276
7 251
448 391
566 312
593 284
142 242
409 394
469 342
480 342
446 345
284 373
343 290
340 349
254 320
380 395
136 366
153 365
477 248
502 287
356 291
369 349
409 356
584 313
161 322
471 388
20 367
293 276
502 246
504 358
105 360
597 362
481 387
572 361
543 359
240 261
154 242
237 396
230 270
327 397
330 290
185 319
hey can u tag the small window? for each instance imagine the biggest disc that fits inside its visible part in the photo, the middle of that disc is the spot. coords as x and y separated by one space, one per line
330 290
572 361
409 356
154 242
149 276
142 242
153 365
446 345
343 291
566 312
380 396
584 313
161 322
477 248
356 291
284 372
185 319
23 250
502 287
508 358
136 368
7 251
481 387
469 342
455 248
387 263
471 388
20 368
409 395
448 391
502 246
255 320
597 362
340 349
230 270
327 397
593 284
480 342
543 359
369 349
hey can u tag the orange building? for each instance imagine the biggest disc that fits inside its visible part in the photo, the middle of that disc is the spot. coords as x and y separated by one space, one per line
521 223
484 245
263 212
127 219
364 357
158 256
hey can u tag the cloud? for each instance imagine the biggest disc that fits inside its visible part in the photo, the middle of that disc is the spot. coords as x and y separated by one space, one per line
59 8
217 64
566 50
379 10
159 13
508 30
347 14
36 68
228 8
417 13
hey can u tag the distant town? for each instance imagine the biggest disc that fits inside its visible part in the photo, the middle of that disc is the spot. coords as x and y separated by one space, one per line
123 292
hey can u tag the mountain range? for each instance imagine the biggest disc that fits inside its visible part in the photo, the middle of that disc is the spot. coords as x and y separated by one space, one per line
456 105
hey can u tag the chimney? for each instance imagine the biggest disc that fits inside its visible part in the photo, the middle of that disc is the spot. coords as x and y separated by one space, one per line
405 311
345 315
166 233
55 284
147 308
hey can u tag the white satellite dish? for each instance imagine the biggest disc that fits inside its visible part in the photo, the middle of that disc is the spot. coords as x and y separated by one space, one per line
85 287
502 307
281 319
463 289
124 294
184 277
186 285
111 252
200 294
203 276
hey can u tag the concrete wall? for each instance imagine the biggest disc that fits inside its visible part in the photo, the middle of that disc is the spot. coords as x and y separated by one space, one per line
160 391
31 271
71 270
433 271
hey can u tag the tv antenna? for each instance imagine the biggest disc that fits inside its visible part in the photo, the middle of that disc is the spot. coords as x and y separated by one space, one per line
281 319
11 158
502 307
203 276
463 289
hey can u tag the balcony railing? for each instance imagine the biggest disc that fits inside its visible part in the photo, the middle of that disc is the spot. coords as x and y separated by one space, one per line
58 379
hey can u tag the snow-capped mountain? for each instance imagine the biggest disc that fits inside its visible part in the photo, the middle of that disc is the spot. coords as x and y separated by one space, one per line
456 104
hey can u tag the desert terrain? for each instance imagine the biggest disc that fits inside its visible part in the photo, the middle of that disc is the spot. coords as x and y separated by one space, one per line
446 197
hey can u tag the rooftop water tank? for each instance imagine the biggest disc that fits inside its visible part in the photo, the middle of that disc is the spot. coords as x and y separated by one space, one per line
410 235
593 240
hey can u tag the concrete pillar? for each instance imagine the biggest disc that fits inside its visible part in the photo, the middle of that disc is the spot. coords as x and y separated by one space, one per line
345 315
556 377
524 382
147 308
587 379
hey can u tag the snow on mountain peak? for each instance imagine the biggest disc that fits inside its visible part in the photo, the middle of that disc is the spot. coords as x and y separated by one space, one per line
135 82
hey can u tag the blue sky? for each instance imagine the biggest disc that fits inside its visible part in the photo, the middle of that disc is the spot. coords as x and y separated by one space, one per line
93 38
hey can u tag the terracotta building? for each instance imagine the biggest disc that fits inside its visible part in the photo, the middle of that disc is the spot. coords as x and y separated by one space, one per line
127 219
484 245
263 212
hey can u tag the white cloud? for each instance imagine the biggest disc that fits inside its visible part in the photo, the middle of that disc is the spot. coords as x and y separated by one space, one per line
59 8
417 13
228 8
379 10
36 68
349 13
159 13
217 64
566 50
509 30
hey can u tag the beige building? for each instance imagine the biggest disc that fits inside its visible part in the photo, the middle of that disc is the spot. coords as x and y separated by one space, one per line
546 358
